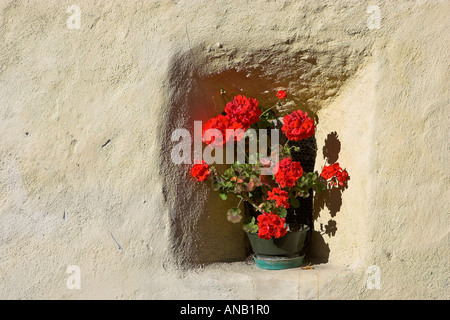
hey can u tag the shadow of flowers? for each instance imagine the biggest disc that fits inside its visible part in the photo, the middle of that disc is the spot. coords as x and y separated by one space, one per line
331 198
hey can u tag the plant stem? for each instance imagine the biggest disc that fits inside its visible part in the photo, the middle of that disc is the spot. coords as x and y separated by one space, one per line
221 176
250 202
287 142
267 110
224 96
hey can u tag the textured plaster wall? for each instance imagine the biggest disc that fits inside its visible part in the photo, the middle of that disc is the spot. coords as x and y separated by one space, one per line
86 117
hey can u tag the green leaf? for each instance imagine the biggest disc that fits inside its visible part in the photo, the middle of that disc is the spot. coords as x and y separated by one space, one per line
250 226
229 171
282 212
268 206
234 215
223 196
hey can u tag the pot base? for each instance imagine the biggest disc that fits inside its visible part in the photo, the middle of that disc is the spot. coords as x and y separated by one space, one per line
277 262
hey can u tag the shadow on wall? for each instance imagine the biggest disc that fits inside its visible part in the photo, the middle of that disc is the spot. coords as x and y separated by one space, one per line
332 200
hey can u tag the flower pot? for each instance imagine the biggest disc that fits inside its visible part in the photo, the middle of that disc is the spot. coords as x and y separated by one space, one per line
279 253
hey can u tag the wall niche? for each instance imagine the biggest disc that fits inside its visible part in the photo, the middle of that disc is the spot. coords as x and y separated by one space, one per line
199 232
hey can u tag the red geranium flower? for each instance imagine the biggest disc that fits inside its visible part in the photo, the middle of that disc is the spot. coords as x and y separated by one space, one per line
200 171
271 226
280 196
220 123
288 173
298 126
241 113
243 110
281 94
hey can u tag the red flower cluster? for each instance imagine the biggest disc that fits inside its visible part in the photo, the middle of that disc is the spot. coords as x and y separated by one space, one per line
288 173
280 196
200 171
271 226
298 126
281 94
241 113
335 170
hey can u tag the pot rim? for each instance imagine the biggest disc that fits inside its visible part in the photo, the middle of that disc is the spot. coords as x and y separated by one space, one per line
304 227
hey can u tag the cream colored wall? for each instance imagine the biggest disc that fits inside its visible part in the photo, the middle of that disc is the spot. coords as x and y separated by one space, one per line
137 70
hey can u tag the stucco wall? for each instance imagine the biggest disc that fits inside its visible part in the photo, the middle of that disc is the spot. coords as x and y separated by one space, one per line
86 118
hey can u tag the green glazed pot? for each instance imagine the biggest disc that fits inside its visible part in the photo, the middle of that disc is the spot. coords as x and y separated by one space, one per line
289 245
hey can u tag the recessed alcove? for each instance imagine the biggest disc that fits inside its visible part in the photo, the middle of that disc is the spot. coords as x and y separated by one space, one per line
199 232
